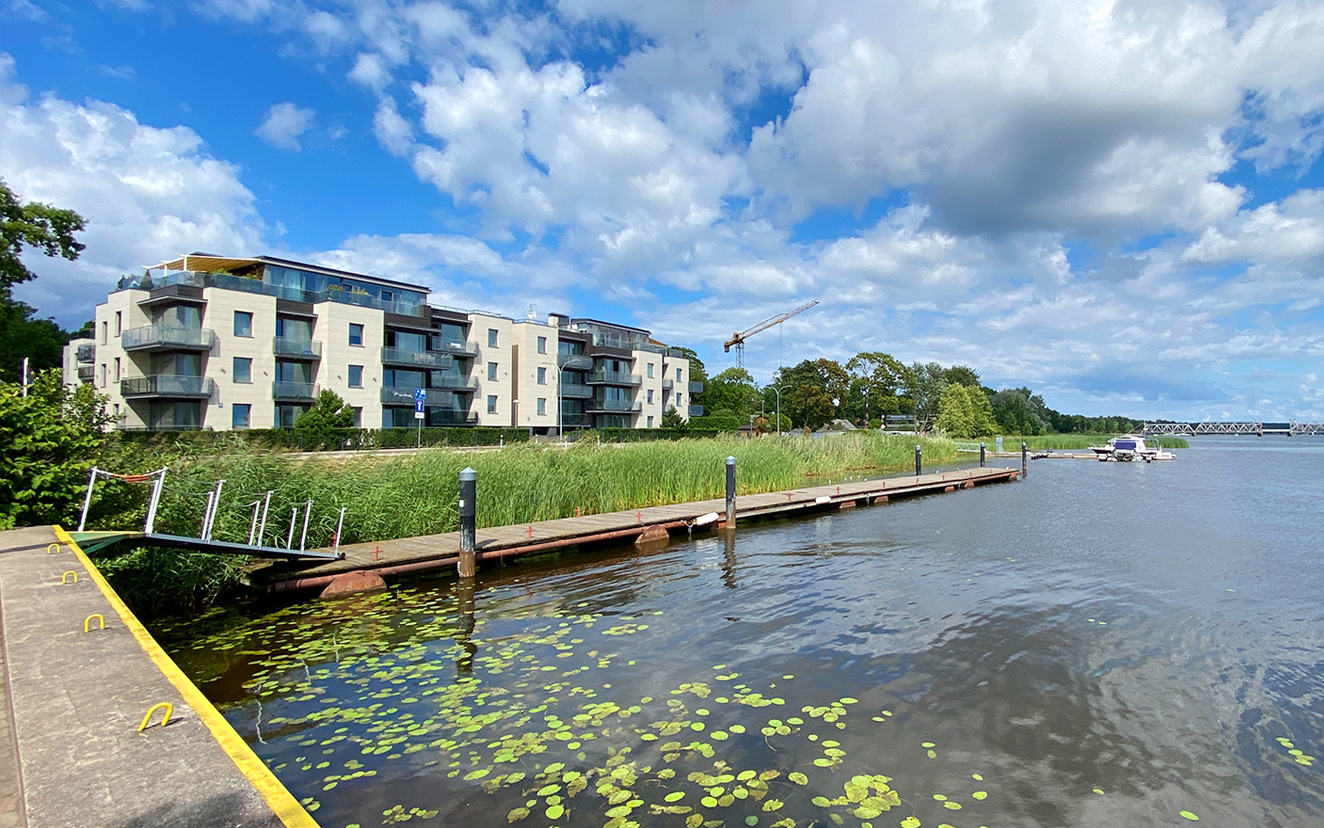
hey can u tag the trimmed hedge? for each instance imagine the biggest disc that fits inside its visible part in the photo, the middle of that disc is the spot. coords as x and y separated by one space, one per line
716 422
347 439
644 435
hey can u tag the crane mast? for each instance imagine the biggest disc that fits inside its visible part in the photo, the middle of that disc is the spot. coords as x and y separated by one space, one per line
738 339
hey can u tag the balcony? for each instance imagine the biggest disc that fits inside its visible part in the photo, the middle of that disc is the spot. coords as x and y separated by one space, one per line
576 420
455 382
455 347
696 411
614 378
426 359
164 338
668 385
166 386
398 395
85 372
575 391
613 407
302 349
444 418
696 388
86 353
294 391
575 362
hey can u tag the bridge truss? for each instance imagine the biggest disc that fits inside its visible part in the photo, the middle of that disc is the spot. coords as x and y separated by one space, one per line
1256 428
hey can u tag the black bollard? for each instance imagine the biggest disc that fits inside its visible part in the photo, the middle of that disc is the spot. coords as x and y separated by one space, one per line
468 522
918 463
1025 459
981 455
730 492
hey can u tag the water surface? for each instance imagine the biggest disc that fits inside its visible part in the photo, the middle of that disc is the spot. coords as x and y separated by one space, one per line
1099 644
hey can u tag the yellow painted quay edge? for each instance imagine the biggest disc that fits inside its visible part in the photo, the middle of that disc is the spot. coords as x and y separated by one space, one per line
281 801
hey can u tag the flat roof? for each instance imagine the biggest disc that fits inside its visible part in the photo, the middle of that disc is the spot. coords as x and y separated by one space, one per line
610 325
210 262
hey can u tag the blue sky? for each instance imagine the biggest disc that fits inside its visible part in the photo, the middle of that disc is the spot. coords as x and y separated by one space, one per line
1117 204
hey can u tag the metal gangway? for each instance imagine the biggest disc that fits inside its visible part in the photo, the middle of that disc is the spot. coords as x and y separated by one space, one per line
91 541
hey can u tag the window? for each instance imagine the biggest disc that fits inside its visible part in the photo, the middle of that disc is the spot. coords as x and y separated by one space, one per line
542 344
650 422
119 322
117 369
491 404
243 323
357 421
240 414
678 379
491 370
355 334
542 376
105 332
650 370
102 372
243 369
542 406
650 396
491 337
356 376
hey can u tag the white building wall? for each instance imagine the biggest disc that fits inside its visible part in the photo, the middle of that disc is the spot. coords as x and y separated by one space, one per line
524 339
120 311
492 368
219 316
332 330
651 414
678 371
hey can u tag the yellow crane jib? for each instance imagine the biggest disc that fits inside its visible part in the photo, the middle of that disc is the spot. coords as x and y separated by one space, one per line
738 339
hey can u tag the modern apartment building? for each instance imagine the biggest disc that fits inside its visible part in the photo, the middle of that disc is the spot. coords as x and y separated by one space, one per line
221 343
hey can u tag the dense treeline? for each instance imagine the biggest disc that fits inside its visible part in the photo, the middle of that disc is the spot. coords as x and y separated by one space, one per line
874 384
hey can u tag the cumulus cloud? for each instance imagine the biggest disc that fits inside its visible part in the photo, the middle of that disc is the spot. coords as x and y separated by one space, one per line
147 193
283 125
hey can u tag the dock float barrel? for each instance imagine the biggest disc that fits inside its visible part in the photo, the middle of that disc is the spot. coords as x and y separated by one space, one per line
981 455
919 465
730 492
468 522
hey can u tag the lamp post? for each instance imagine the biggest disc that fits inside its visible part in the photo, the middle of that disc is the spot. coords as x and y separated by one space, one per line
777 389
560 403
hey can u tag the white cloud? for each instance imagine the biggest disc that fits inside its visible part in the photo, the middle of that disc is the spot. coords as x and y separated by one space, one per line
283 125
147 193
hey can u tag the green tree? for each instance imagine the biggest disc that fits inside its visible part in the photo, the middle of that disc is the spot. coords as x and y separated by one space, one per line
876 378
927 381
51 438
810 391
961 375
327 415
733 389
964 411
671 419
50 231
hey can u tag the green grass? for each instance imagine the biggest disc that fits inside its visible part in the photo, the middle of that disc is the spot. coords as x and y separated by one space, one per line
393 497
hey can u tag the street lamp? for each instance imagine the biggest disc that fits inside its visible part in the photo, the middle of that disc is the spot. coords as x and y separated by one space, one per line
560 403
777 389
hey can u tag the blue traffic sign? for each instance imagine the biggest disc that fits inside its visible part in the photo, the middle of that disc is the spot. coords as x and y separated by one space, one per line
420 395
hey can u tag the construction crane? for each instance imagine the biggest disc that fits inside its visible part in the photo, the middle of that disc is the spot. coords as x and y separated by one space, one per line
738 339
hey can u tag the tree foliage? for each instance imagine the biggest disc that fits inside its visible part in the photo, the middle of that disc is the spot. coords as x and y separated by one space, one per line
927 382
327 415
671 419
964 411
733 389
51 439
41 227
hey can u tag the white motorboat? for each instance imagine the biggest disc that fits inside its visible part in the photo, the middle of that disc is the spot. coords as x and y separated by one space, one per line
1130 447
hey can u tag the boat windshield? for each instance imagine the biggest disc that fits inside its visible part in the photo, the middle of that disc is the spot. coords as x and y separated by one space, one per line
1125 444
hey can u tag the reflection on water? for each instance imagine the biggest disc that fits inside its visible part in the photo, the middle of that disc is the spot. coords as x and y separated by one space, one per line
1100 644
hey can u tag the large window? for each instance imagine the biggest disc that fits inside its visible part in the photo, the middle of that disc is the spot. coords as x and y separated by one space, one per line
355 334
356 376
243 369
240 415
243 323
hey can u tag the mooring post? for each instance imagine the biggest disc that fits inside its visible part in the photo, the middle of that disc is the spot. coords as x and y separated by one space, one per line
1025 459
981 455
730 492
468 521
919 464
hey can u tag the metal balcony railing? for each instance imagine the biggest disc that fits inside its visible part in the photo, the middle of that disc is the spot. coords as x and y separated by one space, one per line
289 348
166 385
294 391
614 378
427 359
163 337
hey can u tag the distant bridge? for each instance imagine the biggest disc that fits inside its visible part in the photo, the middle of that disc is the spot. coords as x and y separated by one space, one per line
1257 428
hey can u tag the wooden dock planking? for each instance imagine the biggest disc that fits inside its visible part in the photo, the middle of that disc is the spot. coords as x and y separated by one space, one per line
403 554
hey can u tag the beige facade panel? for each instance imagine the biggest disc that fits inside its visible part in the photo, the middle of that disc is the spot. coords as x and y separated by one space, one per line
334 330
534 347
493 368
242 364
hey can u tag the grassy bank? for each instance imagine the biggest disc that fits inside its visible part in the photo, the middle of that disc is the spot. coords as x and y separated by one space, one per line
1075 442
392 497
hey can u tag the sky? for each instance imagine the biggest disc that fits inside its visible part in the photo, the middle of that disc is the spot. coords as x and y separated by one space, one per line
1117 204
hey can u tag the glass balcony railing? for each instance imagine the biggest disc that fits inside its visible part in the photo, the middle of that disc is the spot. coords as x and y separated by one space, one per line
166 385
163 337
575 362
613 406
576 420
455 382
427 359
455 347
298 391
400 395
86 353
696 411
246 285
575 391
296 348
614 378
442 418
667 384
696 387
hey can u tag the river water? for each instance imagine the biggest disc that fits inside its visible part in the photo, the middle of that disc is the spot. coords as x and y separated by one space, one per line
1098 644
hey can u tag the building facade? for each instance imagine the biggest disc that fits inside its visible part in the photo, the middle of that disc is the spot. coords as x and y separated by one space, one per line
210 342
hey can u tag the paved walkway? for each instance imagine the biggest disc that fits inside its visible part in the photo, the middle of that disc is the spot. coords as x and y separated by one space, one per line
74 756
